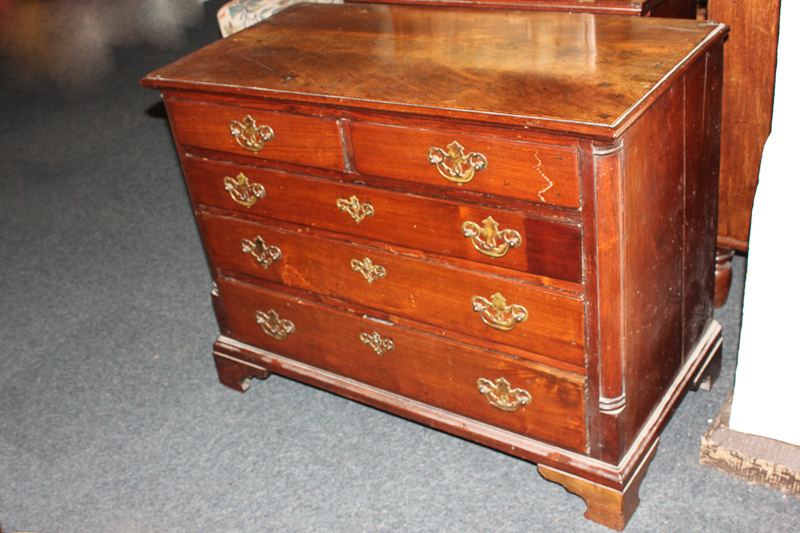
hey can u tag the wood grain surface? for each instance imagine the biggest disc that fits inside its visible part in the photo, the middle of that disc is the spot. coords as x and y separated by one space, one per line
577 72
428 292
550 247
420 366
751 55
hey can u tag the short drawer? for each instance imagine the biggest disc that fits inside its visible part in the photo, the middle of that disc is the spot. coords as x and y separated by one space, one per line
526 398
505 238
535 172
296 139
481 305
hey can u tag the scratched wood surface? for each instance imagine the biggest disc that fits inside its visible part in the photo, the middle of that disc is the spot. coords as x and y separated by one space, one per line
620 114
549 247
423 367
484 62
421 290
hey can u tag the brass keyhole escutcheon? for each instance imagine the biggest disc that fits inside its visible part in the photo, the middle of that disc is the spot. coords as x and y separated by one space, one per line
500 394
261 251
380 345
249 135
489 239
497 314
454 165
368 269
273 325
353 207
242 192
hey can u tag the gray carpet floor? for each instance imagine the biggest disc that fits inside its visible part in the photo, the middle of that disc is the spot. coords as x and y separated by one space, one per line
111 415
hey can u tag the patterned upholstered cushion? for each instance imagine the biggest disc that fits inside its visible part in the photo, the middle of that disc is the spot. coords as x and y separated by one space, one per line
239 14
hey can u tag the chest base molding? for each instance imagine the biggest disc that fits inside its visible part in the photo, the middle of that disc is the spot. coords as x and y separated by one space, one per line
610 491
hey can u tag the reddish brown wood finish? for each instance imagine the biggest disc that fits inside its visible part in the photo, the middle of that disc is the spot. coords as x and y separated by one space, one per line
478 65
610 507
422 367
751 54
615 270
297 139
237 374
420 290
537 173
411 288
549 247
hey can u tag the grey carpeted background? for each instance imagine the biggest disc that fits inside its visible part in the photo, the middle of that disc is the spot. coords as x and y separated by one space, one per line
111 415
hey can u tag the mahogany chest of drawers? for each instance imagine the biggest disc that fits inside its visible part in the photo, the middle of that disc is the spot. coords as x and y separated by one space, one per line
497 223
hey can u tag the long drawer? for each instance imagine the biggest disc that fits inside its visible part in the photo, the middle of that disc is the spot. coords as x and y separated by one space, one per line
505 238
535 172
470 302
527 398
296 139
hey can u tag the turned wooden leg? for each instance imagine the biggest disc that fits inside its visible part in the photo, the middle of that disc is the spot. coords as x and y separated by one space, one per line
722 275
607 506
236 374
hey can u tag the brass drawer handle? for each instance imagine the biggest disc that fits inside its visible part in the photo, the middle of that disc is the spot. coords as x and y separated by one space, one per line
500 394
370 271
242 192
273 325
454 165
497 314
251 136
355 208
381 346
488 240
263 253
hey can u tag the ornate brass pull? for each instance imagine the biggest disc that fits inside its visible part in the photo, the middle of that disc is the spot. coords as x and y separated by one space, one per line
273 325
488 240
249 135
454 165
263 253
497 314
500 394
355 209
370 271
242 192
381 346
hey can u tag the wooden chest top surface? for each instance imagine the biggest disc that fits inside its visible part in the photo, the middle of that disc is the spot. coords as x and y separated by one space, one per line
560 71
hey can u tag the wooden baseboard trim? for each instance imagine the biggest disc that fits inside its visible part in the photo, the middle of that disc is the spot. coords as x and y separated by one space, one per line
755 459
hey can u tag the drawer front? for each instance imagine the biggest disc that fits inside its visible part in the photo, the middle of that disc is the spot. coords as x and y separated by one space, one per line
296 139
452 298
543 403
535 172
518 241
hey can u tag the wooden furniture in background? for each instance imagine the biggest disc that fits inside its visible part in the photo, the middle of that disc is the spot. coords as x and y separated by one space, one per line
497 223
654 8
748 91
